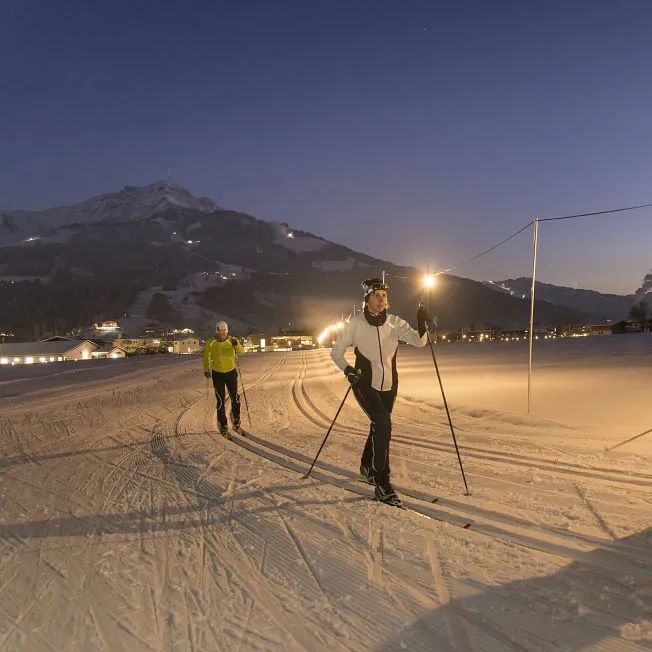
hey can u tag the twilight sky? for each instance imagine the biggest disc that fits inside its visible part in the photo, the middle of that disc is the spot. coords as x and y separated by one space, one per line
422 131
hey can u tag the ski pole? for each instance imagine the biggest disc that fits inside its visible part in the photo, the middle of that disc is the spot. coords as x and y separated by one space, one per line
244 393
610 448
208 398
450 422
337 414
209 378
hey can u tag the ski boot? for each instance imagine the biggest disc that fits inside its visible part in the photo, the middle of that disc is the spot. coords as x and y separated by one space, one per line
224 431
385 494
366 474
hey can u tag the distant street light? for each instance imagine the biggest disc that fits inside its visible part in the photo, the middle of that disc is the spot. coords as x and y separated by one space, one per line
429 281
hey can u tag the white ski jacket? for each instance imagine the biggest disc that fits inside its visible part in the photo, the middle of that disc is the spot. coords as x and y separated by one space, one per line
375 348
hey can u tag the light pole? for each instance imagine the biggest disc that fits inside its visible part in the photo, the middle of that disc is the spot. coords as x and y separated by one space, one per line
429 281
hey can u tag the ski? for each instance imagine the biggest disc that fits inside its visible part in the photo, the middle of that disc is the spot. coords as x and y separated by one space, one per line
287 453
398 505
373 499
346 483
350 484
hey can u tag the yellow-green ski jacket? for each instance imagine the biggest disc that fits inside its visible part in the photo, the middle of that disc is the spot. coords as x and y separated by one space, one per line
220 356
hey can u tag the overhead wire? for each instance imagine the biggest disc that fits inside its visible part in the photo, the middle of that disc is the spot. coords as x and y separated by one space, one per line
542 219
613 210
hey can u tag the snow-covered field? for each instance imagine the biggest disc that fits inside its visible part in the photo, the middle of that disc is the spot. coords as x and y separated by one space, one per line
129 524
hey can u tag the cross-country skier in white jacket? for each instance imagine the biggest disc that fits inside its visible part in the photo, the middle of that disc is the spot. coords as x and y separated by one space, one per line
375 336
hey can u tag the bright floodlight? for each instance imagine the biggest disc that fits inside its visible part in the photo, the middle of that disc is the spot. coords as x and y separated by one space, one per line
429 280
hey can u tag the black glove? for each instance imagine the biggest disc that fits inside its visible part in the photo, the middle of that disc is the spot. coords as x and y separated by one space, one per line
207 374
422 319
234 342
352 375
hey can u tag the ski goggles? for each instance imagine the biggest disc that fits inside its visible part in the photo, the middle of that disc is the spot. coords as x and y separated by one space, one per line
369 289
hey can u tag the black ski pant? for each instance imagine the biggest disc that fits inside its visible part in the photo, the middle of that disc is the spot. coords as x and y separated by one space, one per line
378 407
228 379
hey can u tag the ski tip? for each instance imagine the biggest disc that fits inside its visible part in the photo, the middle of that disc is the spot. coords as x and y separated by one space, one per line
434 500
398 505
466 526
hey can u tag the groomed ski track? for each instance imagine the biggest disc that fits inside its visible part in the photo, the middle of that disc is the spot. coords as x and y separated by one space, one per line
139 527
623 558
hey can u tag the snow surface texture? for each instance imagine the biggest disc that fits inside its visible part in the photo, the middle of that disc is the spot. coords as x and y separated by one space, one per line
129 524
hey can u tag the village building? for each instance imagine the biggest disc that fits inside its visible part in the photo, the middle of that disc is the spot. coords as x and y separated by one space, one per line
108 351
291 340
182 345
59 350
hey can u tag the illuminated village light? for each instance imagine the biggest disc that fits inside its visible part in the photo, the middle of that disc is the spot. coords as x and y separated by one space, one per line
329 330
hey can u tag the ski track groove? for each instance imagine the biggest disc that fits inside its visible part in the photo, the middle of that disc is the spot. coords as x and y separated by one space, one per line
459 637
420 595
119 475
263 596
370 617
489 529
299 383
325 425
165 460
478 511
16 622
633 477
640 479
274 609
359 542
245 626
303 555
126 476
375 569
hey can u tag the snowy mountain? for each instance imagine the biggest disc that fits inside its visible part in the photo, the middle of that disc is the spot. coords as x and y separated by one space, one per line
129 204
158 254
599 306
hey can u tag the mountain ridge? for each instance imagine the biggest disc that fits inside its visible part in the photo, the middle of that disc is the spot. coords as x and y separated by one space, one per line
201 265
600 306
128 204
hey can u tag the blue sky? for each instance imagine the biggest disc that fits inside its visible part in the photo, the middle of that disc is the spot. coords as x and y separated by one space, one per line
420 132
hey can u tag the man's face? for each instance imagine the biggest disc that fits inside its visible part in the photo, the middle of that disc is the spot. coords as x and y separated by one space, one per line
377 301
222 332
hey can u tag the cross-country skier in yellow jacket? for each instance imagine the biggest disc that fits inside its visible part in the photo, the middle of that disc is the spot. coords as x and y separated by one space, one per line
219 364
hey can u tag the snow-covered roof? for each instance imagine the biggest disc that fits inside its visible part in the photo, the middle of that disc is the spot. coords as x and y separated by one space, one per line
108 348
43 348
